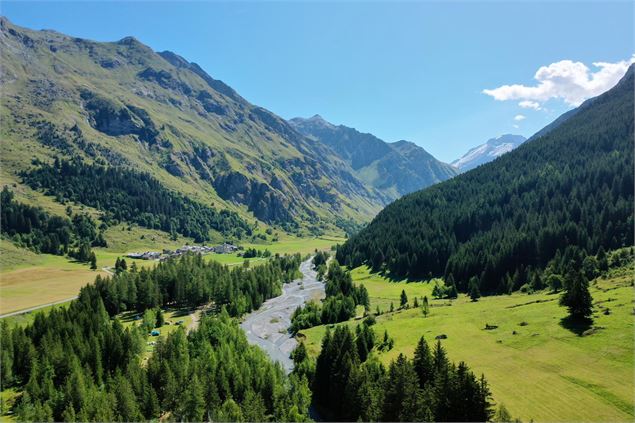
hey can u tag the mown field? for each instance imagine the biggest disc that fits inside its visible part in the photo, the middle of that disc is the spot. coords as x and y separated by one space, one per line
539 369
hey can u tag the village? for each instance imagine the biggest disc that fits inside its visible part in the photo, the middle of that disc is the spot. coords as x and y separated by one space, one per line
224 248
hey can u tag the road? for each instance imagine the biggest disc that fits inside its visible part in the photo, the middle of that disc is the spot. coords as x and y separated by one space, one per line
28 310
267 326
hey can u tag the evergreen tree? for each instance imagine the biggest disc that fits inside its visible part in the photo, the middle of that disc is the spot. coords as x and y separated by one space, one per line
403 299
423 363
576 296
425 307
475 292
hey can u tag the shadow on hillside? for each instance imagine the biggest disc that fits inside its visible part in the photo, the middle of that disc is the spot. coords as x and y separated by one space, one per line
393 278
577 326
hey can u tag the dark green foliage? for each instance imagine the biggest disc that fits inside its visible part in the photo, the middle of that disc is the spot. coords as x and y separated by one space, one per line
78 363
32 227
191 281
572 186
473 287
428 388
403 299
320 258
305 317
342 295
576 296
252 252
36 229
120 265
127 195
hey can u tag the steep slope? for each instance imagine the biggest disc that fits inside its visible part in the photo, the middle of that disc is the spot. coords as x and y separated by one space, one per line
551 200
484 153
394 169
121 104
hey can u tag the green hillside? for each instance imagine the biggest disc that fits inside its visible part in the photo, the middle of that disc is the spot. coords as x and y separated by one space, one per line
545 203
122 105
535 366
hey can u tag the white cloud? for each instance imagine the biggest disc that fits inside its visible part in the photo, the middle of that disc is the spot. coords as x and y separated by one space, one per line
527 104
518 118
515 126
572 82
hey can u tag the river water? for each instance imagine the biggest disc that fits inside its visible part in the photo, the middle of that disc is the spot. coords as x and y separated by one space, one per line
267 326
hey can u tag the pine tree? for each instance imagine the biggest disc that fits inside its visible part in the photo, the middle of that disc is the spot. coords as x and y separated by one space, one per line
475 292
423 363
425 307
93 261
403 299
576 296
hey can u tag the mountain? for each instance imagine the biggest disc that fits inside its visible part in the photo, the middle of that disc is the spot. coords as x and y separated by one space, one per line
120 104
550 202
493 148
393 169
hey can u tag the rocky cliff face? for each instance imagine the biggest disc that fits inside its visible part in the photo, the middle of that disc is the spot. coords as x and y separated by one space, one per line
393 169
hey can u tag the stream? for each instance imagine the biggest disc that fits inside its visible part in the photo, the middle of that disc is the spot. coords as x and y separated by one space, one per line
267 326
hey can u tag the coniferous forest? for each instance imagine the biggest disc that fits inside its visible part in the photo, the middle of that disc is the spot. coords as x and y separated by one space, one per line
262 265
349 387
129 196
80 364
571 188
34 228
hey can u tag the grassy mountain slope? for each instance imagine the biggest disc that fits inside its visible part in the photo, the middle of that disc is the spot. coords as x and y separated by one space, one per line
571 189
122 104
393 169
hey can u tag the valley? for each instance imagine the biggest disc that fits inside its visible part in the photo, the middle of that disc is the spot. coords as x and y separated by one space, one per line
172 251
537 368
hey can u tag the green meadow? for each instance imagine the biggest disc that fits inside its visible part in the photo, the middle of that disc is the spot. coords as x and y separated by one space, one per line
29 280
535 366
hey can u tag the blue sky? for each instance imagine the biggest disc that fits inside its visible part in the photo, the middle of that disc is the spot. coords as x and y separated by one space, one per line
413 70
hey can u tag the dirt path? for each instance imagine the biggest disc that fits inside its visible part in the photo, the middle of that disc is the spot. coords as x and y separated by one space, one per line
196 315
267 326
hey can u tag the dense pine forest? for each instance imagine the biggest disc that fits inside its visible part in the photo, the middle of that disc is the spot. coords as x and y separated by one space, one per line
191 281
34 228
500 224
129 196
80 364
348 386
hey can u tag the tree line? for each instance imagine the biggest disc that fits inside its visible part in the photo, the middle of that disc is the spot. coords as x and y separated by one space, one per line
78 363
191 280
34 228
350 385
342 296
502 223
125 195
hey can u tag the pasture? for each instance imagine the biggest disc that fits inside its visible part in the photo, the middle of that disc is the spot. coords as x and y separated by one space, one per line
539 369
28 279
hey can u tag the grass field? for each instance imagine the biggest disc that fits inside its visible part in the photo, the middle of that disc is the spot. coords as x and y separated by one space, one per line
38 278
171 316
544 372
28 279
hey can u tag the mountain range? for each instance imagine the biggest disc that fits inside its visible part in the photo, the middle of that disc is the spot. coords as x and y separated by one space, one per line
484 153
122 104
393 169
